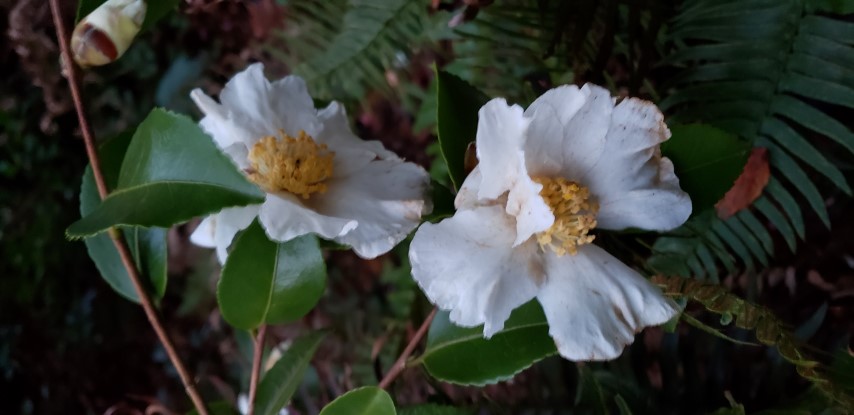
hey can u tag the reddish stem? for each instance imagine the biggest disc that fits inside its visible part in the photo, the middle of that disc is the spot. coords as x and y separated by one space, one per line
400 364
115 235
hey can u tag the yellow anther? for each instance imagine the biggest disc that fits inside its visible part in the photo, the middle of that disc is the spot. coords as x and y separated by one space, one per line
575 215
287 164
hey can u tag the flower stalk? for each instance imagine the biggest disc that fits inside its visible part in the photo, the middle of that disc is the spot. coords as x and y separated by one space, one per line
115 234
255 376
400 363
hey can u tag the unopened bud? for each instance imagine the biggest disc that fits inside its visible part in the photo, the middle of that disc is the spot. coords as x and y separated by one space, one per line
105 34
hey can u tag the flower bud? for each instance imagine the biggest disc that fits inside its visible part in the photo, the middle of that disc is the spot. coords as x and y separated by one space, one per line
106 33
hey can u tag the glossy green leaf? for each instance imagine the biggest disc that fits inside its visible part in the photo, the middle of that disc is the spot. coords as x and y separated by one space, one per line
369 400
457 115
461 355
282 380
172 172
707 161
157 9
265 282
148 246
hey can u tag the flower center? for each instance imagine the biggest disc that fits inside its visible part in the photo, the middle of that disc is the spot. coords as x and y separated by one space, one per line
296 165
575 215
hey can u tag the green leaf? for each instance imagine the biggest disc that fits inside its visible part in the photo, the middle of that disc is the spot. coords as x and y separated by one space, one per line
172 172
461 355
264 282
456 118
157 9
369 400
707 161
148 246
280 382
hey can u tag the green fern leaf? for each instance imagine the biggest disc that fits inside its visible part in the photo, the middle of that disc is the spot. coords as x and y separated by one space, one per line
344 49
766 70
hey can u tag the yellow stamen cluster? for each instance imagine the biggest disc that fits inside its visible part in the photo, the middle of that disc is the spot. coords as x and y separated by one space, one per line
287 164
575 215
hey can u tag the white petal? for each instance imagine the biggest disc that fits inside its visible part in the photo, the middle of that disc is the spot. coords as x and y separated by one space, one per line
501 162
246 97
227 134
386 198
500 137
284 217
595 304
532 213
467 195
351 152
264 108
204 234
567 132
293 106
467 264
336 133
218 230
634 185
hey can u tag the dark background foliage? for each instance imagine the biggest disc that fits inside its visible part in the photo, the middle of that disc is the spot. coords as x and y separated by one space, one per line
69 344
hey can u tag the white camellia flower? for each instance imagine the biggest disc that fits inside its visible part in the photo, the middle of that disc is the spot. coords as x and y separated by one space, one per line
318 176
573 161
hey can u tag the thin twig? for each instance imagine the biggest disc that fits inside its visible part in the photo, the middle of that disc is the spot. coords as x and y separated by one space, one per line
400 364
118 241
256 368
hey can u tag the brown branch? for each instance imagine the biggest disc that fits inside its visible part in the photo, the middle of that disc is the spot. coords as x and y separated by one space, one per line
256 368
115 235
400 364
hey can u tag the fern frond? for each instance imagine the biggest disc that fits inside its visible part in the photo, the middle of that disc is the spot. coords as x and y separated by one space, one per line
514 44
706 243
342 49
769 71
768 329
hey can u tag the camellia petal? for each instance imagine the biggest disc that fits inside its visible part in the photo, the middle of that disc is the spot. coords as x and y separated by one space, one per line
467 264
268 108
595 304
385 198
336 133
218 230
567 132
285 217
225 131
500 137
635 185
306 160
545 179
